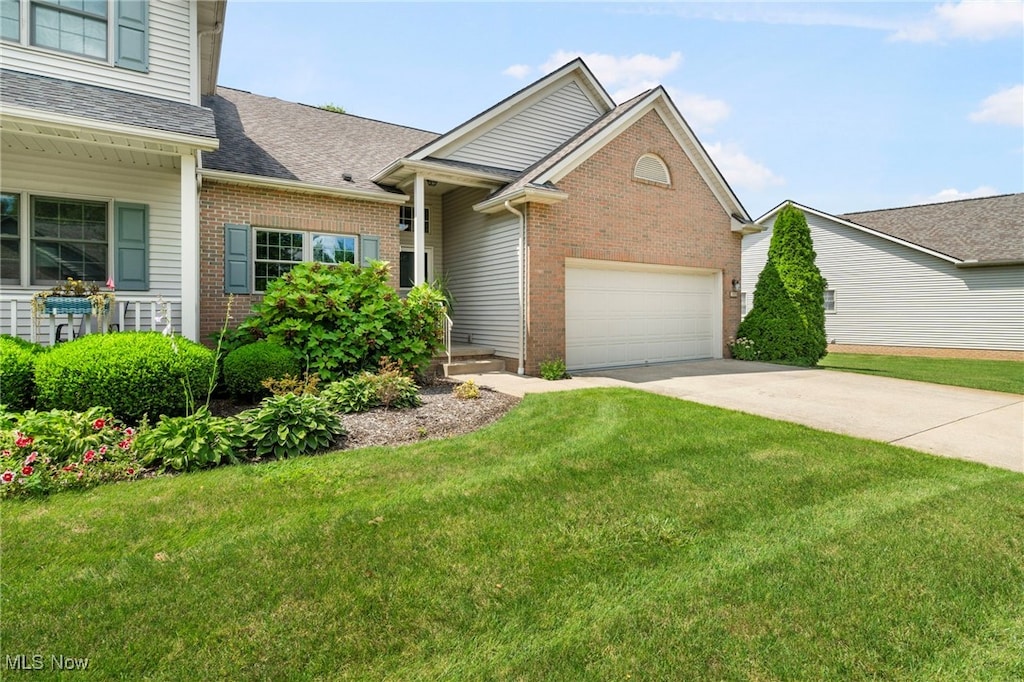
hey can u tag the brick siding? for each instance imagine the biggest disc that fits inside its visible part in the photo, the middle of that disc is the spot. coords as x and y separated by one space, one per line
610 216
223 203
962 353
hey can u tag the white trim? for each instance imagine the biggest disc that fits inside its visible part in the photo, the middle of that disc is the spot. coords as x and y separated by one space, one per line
494 116
867 230
418 241
17 114
441 172
298 186
522 195
189 249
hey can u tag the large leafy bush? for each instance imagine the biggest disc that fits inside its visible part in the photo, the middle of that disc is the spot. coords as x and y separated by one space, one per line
343 319
132 373
291 425
246 368
17 363
787 320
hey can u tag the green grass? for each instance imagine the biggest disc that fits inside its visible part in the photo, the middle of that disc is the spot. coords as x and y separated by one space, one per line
990 375
590 535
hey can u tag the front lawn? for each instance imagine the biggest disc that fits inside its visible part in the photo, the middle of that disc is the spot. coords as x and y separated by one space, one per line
589 535
990 375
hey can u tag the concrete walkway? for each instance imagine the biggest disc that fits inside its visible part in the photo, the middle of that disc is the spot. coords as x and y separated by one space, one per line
980 426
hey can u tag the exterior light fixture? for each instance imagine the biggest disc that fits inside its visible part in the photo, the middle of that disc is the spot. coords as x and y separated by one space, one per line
735 284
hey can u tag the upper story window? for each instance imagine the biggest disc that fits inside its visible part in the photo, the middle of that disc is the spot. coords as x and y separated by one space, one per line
108 30
406 215
651 168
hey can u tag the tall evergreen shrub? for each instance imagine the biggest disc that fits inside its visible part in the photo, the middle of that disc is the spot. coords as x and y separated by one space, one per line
787 320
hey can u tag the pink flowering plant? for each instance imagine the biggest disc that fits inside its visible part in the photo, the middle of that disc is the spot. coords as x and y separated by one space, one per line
44 452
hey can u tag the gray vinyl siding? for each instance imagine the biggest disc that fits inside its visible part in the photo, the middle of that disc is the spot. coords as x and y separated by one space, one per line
482 267
170 58
533 133
892 295
83 178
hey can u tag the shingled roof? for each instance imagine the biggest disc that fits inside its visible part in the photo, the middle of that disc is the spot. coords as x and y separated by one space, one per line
272 138
32 91
989 229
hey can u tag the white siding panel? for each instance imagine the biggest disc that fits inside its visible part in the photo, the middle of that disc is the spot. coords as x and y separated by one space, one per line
480 260
159 188
532 133
892 295
170 36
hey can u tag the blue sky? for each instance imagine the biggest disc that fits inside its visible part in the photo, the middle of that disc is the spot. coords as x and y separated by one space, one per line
839 106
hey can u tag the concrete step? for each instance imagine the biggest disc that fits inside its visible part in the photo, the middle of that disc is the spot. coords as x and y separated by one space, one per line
480 366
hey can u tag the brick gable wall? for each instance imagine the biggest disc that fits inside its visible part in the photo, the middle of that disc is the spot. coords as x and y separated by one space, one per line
611 216
224 203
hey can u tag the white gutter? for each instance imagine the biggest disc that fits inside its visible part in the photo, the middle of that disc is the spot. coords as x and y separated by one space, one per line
522 281
79 124
297 186
521 196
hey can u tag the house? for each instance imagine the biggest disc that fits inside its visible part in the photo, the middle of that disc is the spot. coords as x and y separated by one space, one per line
102 132
937 279
566 225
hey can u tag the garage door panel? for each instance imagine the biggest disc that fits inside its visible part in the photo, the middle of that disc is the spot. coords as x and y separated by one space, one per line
634 316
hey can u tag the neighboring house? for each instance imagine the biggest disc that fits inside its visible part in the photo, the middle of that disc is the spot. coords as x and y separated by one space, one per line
566 226
102 130
946 276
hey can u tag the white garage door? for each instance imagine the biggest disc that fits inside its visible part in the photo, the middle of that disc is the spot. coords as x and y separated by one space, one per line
630 314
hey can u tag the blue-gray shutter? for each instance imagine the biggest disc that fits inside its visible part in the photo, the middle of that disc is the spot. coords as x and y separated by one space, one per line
131 247
236 259
131 39
369 248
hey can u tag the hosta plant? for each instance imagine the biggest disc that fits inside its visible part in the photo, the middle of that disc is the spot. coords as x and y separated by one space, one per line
291 425
194 441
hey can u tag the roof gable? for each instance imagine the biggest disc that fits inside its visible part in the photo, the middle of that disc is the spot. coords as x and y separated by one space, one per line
989 230
529 125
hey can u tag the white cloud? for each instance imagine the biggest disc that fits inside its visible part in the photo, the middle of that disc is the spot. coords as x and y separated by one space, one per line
627 75
1005 107
952 194
739 169
518 71
700 111
969 19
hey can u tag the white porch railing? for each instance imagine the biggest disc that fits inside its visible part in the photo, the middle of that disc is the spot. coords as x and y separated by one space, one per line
131 313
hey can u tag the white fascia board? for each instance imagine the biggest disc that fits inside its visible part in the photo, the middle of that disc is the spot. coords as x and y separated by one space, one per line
90 125
496 115
523 195
743 228
404 169
862 228
655 101
297 186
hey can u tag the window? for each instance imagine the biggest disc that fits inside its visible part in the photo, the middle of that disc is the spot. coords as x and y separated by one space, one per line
10 241
78 26
830 300
651 168
743 305
69 239
277 252
10 20
406 263
406 216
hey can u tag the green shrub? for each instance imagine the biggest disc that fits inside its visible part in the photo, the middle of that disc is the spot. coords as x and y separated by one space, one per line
290 425
307 385
389 387
246 368
553 370
132 373
17 364
65 435
193 441
342 319
787 321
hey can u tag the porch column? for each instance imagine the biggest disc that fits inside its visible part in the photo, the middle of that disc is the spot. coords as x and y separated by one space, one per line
189 249
418 242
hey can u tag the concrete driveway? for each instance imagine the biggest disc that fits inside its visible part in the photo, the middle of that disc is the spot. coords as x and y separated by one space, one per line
981 426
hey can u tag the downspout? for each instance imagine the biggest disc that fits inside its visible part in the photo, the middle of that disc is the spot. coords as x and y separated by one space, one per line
522 282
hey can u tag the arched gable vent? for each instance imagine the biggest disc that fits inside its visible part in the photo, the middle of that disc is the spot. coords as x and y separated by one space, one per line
650 167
